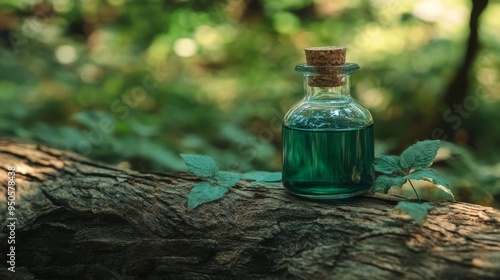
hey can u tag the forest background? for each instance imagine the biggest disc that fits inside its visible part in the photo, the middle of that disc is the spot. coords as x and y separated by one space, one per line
135 83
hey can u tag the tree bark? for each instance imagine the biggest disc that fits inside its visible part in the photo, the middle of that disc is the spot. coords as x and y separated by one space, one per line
79 219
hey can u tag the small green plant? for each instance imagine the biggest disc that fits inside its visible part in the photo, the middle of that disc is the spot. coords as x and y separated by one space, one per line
217 183
412 164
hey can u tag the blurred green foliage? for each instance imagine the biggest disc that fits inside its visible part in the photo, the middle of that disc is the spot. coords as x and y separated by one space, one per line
135 83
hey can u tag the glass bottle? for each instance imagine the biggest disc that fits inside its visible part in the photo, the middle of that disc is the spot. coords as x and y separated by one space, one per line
327 137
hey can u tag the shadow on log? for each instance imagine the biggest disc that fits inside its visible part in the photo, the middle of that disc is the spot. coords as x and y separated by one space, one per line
78 219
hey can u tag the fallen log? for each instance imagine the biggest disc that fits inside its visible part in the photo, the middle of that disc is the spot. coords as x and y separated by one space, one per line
80 219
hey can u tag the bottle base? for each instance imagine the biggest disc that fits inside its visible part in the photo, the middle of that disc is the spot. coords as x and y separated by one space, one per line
324 191
329 196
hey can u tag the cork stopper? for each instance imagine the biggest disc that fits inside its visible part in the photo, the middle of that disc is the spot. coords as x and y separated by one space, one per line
326 56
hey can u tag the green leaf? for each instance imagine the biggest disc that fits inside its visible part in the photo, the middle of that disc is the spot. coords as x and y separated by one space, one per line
201 165
417 211
384 182
431 175
419 155
226 179
204 192
262 176
388 165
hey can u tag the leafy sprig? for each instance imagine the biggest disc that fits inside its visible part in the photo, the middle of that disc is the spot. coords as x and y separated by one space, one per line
216 183
412 164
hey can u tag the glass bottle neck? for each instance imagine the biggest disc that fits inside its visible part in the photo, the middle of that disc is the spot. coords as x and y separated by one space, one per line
336 94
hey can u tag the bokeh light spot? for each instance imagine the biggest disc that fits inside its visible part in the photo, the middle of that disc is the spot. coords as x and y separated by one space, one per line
66 54
185 47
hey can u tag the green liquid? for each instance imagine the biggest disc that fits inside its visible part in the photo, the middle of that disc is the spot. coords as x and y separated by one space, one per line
328 164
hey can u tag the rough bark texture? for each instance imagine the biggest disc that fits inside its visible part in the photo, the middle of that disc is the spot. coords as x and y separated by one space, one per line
78 219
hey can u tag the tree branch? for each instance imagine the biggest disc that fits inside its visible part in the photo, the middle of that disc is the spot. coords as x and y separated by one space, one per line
78 219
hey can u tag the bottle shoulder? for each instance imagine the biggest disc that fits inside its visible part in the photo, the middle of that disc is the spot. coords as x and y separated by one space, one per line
328 115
